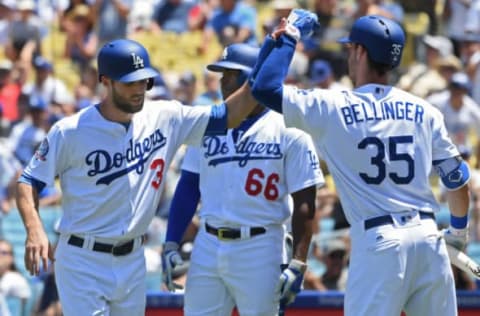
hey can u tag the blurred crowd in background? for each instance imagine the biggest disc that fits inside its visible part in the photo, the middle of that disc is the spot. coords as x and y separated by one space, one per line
48 71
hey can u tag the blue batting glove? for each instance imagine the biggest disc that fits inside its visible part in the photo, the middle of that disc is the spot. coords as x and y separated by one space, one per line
300 23
291 282
170 259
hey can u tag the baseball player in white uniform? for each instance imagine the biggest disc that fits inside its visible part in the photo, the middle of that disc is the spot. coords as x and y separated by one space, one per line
111 159
245 179
380 144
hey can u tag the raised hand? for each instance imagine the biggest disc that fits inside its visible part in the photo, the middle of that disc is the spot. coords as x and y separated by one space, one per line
300 23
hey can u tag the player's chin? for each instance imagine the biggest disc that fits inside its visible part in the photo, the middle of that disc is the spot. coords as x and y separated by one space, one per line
136 106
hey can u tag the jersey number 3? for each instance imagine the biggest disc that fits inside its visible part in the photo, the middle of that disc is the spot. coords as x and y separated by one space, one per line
393 155
255 184
158 165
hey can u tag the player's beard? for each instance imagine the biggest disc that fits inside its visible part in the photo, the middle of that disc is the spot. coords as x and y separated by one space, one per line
124 105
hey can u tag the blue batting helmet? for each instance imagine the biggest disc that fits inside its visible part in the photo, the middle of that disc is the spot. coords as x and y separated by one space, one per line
125 61
383 38
237 56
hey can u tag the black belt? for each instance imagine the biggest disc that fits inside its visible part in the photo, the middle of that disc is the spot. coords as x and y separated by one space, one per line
120 250
225 233
387 219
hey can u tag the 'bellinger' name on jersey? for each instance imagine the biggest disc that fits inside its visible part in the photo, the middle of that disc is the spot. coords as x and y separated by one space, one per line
374 138
382 110
255 172
107 166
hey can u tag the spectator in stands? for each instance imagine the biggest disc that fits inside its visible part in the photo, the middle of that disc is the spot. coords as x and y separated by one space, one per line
172 16
334 22
9 91
47 87
6 15
232 22
449 65
140 18
5 125
200 13
185 92
12 283
387 9
335 258
68 8
160 90
281 10
470 55
461 113
112 18
24 32
423 78
81 43
212 94
28 134
10 169
456 16
321 76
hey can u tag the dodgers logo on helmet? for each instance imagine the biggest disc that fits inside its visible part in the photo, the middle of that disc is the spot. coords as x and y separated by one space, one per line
125 60
383 38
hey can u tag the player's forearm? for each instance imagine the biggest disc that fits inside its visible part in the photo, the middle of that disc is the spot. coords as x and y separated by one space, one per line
27 203
458 201
239 105
183 207
268 85
302 222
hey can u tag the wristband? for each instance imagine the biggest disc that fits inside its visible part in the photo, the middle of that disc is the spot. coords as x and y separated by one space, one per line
458 222
298 265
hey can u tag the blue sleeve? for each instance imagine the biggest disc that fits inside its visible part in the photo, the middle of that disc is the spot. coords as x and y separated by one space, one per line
267 46
183 207
217 125
37 184
268 85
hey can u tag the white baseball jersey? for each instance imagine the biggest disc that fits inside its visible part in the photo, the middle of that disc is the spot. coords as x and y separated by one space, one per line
379 143
249 182
111 176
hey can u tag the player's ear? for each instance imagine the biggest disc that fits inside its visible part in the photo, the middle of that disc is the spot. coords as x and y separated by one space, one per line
359 51
104 80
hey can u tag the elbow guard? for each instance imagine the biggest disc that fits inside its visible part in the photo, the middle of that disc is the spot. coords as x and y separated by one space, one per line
454 172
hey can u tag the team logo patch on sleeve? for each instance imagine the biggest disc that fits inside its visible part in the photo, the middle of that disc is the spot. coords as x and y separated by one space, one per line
42 150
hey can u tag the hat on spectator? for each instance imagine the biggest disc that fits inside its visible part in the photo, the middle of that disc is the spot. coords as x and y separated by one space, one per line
461 80
187 78
440 43
25 5
284 4
321 70
335 244
41 63
81 11
450 61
